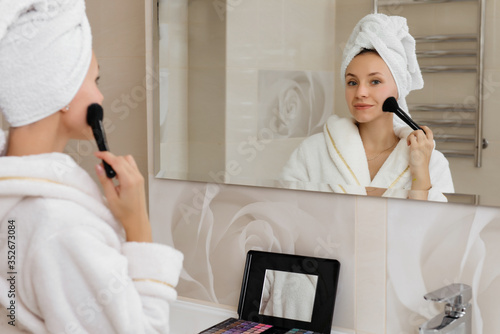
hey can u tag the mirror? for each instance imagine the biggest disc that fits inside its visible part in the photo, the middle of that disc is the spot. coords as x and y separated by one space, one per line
243 83
288 295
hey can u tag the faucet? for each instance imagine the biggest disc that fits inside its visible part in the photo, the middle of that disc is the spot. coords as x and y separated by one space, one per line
456 317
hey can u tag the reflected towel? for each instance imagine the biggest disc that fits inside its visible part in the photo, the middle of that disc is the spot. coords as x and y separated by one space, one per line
390 37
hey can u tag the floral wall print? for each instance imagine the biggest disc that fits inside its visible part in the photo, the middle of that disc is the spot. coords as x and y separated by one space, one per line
294 103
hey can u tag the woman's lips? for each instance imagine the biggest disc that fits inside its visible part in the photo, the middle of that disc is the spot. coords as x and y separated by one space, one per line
362 106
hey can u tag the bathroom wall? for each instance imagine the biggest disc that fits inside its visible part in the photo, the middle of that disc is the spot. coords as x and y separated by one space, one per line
3 123
118 41
207 36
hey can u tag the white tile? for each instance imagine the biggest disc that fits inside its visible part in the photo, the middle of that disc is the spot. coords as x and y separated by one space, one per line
173 45
371 222
207 44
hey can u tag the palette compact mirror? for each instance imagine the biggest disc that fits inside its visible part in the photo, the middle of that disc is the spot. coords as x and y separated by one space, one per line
295 290
284 293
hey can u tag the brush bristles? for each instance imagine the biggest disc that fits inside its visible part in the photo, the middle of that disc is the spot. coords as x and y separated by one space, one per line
390 105
94 114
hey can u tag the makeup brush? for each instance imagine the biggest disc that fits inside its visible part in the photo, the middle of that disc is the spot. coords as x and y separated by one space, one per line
391 105
94 119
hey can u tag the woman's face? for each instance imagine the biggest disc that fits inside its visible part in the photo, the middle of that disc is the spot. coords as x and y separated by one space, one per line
75 119
369 83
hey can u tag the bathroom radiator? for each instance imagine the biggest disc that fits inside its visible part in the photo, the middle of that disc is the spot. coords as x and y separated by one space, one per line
453 65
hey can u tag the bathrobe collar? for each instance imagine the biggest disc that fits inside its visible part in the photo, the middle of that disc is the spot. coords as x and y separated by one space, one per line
51 175
348 154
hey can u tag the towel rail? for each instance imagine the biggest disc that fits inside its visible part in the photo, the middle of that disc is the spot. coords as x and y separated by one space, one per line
447 38
458 153
449 69
480 141
448 123
463 198
385 3
441 108
446 53
455 138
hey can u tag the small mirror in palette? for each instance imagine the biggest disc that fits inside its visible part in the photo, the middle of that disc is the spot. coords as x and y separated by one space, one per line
284 293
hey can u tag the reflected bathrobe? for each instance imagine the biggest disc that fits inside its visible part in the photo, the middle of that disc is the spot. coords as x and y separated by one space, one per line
335 161
72 270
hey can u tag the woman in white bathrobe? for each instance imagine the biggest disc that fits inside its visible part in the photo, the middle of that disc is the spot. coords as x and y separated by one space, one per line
72 261
373 153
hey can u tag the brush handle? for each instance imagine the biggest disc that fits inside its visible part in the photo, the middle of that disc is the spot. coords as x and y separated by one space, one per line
405 118
110 172
102 144
391 105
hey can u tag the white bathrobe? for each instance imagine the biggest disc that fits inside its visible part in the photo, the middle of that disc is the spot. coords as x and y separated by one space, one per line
73 270
335 160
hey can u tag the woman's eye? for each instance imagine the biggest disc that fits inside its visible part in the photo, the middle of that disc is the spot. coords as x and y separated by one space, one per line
351 83
375 82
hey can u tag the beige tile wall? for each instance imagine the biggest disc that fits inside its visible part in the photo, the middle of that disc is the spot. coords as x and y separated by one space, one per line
119 43
3 123
371 240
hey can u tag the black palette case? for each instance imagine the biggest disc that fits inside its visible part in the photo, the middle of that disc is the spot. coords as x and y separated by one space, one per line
287 292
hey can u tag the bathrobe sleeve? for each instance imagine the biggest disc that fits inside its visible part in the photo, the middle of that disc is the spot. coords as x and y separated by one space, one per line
84 280
309 167
441 179
296 174
296 167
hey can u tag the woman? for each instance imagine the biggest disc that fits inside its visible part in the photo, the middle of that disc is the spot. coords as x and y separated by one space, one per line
374 153
77 263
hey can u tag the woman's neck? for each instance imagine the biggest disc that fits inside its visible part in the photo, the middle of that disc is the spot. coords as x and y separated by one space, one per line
377 135
40 137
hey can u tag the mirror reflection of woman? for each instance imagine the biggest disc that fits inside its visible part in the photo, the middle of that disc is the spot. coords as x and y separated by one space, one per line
374 153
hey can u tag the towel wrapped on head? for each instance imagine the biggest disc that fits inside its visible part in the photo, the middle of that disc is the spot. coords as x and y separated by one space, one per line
45 54
389 36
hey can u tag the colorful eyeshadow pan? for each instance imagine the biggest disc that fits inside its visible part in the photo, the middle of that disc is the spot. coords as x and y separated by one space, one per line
238 326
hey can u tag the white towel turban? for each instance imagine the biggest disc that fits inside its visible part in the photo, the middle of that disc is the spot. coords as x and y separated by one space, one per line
45 54
389 36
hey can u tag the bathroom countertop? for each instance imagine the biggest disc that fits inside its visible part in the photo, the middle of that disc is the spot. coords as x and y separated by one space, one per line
189 316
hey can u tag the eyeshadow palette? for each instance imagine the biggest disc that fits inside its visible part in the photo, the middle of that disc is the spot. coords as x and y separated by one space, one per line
284 294
239 326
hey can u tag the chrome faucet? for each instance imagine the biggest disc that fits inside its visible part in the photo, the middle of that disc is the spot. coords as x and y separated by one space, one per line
456 317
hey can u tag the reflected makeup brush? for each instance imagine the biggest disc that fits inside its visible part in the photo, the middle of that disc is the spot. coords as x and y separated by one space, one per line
94 119
391 105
